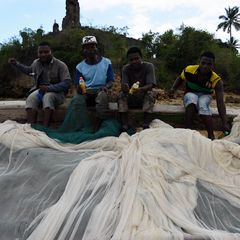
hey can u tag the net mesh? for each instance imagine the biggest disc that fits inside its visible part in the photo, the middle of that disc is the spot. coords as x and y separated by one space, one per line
78 127
160 183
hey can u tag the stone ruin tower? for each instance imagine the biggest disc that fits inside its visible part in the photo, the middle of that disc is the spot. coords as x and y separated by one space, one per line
55 27
72 18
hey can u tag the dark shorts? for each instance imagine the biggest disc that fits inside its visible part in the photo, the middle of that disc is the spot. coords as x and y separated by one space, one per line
145 102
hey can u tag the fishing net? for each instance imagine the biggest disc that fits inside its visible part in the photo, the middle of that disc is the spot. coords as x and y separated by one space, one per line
160 183
78 126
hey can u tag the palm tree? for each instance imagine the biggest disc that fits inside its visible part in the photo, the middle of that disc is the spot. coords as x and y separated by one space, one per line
233 44
232 19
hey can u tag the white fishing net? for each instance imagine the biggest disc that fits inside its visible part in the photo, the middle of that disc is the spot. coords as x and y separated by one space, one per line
160 183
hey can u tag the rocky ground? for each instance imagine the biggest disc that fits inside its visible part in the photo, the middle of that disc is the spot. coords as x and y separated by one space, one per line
231 99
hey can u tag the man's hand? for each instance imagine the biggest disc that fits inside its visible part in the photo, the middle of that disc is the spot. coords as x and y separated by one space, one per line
177 83
125 88
171 93
104 89
12 61
43 88
107 87
138 91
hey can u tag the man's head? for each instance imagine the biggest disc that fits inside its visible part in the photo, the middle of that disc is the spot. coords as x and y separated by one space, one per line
206 64
134 56
44 52
89 45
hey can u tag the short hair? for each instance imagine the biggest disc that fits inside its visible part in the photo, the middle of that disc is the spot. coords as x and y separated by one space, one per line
44 44
134 50
208 54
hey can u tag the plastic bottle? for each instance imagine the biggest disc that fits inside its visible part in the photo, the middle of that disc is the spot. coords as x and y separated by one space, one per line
134 87
82 85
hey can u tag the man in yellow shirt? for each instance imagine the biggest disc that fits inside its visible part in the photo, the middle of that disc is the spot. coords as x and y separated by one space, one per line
201 81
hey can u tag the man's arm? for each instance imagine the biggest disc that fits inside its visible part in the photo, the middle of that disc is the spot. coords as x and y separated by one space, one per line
58 87
177 83
146 88
21 67
150 79
110 74
221 105
110 78
124 81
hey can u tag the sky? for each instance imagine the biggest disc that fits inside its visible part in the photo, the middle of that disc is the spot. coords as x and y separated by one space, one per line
140 16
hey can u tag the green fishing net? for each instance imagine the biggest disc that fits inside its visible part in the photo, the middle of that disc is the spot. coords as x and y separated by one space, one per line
77 125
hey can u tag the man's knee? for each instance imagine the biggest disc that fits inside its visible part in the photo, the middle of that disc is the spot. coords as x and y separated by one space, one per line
122 102
102 98
190 98
32 101
102 105
204 105
149 101
51 100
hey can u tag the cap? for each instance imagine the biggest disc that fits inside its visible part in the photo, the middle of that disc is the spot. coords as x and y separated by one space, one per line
89 40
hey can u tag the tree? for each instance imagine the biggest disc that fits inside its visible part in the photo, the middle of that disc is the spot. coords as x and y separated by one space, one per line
191 43
115 30
232 19
27 37
149 42
233 44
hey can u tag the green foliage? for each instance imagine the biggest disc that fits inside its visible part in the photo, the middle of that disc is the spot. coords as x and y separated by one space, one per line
174 52
67 46
114 30
13 47
164 77
9 49
227 65
190 45
169 52
149 43
31 38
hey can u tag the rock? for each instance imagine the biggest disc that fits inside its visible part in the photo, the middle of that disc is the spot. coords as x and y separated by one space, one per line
72 18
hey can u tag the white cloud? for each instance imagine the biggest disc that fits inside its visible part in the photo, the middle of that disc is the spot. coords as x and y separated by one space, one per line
163 5
139 15
198 14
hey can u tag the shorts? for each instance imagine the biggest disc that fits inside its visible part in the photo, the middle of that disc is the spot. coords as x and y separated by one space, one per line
49 100
202 102
145 102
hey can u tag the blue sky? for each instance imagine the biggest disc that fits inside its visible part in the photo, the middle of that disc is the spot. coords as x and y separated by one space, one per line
139 15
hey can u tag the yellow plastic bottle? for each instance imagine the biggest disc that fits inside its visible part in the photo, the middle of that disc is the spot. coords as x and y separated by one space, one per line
134 87
82 85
